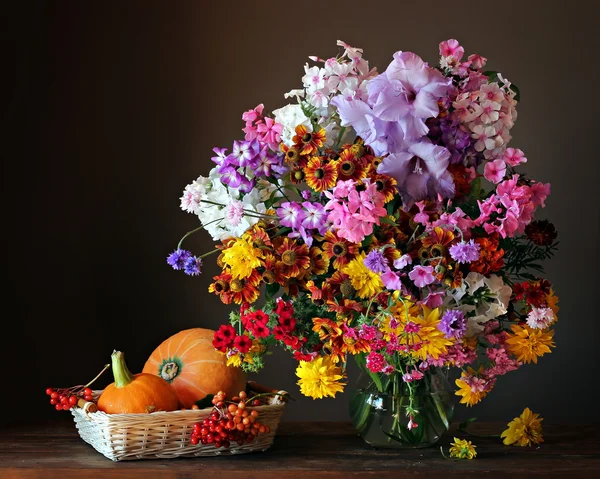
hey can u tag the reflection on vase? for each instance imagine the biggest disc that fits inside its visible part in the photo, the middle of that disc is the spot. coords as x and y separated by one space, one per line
389 413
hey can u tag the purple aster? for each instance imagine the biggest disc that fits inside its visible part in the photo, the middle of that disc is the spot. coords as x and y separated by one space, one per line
290 214
465 252
178 258
193 266
315 216
453 323
376 262
230 177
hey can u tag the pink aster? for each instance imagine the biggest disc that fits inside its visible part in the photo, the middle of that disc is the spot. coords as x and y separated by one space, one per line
422 276
234 212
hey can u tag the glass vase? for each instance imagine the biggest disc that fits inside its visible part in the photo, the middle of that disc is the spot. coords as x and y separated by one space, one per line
380 406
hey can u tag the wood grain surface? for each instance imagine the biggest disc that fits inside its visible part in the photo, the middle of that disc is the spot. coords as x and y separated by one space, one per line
306 449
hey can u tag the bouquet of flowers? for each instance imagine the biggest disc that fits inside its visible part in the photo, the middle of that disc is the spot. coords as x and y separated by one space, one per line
381 216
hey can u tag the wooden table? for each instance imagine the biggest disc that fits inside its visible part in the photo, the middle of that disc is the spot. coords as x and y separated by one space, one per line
315 450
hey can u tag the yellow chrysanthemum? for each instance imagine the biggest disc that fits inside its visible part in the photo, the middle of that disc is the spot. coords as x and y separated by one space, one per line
235 360
524 430
433 342
462 449
320 378
242 258
366 283
470 395
529 344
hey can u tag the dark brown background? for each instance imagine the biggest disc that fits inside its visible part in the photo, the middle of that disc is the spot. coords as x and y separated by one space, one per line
111 108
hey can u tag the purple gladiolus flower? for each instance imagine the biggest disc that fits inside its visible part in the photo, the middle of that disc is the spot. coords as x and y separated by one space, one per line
465 252
178 258
420 172
376 262
193 266
453 323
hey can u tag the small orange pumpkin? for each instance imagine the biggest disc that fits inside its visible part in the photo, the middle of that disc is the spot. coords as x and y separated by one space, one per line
190 363
135 393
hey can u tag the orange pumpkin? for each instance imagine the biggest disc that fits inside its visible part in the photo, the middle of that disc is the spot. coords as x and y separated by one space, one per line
190 363
135 393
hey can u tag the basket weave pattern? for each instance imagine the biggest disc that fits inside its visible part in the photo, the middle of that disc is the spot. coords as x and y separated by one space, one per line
163 435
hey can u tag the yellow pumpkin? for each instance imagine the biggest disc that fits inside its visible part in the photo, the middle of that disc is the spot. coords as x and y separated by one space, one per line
135 393
190 363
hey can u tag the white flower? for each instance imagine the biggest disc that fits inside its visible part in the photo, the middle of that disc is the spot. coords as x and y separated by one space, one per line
290 116
314 79
298 93
540 318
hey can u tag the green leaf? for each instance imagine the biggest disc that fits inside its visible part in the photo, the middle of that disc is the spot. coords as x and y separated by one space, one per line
205 402
463 425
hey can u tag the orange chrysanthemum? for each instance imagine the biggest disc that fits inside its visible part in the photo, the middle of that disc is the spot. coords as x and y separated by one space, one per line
273 272
350 167
236 290
306 142
491 256
386 185
321 174
338 250
294 257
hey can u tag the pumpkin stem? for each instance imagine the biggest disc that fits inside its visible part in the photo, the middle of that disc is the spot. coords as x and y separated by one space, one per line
120 371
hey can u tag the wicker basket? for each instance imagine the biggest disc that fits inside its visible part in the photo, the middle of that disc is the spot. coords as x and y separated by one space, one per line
163 435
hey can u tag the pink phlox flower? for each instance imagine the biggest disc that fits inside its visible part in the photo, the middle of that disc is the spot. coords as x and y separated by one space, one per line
434 300
392 281
477 61
514 157
451 48
389 369
270 132
422 276
539 193
403 261
254 114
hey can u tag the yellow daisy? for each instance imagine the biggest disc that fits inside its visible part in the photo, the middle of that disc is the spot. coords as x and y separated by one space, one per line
320 378
462 449
524 430
242 258
433 342
472 390
529 344
366 283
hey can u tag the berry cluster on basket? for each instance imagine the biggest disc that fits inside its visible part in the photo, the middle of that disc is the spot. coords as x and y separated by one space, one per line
63 399
230 421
